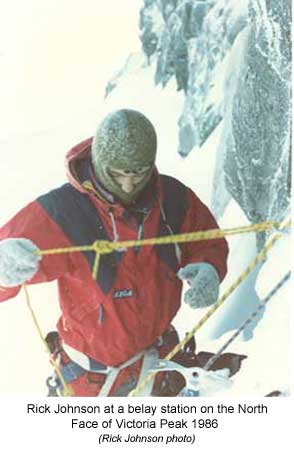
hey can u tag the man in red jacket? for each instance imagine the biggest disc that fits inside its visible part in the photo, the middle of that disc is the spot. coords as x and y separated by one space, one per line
111 325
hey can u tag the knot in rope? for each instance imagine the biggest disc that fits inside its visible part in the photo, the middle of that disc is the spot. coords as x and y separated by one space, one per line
103 247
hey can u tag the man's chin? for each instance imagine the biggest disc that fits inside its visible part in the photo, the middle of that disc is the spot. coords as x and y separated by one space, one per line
127 200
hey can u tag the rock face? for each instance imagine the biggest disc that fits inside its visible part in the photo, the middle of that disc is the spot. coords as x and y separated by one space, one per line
232 60
256 161
189 40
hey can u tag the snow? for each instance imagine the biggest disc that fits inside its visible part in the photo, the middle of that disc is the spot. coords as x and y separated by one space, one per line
42 120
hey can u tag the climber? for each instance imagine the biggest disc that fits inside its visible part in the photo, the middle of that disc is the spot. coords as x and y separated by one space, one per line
111 325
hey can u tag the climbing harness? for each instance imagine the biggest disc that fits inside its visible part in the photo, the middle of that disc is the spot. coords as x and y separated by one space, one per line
103 247
73 364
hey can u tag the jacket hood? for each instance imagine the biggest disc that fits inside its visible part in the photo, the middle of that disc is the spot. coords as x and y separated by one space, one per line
74 160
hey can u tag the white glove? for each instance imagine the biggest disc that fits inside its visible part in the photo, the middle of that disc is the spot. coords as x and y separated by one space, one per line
19 261
204 281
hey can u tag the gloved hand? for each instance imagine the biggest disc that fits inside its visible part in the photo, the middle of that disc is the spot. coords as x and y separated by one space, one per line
18 261
204 282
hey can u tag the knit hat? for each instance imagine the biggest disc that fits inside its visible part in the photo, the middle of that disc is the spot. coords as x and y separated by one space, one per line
125 140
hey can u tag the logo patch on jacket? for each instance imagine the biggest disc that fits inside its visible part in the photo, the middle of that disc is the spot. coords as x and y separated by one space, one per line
122 293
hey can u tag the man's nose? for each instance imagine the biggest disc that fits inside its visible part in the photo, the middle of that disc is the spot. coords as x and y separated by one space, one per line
128 185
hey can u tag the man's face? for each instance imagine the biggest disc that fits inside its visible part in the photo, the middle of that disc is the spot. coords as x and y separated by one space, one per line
123 154
130 180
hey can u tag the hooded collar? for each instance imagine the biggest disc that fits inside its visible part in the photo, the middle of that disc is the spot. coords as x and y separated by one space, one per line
81 175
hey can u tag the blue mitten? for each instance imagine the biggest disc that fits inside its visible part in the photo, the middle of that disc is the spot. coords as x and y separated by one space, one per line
204 282
19 261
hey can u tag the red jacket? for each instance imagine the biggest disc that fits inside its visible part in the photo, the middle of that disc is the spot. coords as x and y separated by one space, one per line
137 292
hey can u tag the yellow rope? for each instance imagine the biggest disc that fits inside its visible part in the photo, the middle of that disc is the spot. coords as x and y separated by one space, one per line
260 256
67 390
103 247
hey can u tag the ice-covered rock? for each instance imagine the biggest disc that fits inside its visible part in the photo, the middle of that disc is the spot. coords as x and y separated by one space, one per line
256 144
207 51
189 40
151 27
232 60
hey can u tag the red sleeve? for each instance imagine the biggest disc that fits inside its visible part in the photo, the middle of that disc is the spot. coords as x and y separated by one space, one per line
33 223
214 251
